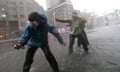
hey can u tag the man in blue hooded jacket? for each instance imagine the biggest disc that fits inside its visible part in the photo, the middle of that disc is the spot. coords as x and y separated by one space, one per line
36 32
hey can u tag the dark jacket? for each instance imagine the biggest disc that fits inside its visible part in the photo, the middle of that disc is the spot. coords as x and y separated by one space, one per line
39 37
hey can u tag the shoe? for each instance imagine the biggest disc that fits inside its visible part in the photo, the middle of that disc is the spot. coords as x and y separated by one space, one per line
86 49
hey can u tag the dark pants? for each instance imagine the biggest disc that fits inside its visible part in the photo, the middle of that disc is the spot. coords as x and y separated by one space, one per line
80 38
85 37
49 56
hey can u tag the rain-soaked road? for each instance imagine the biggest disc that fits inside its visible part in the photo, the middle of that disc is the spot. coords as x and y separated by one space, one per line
104 55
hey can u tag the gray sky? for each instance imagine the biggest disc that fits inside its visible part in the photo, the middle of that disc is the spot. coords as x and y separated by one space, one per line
97 6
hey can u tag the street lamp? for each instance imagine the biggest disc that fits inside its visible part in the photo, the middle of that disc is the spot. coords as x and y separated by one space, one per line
3 20
3 15
3 9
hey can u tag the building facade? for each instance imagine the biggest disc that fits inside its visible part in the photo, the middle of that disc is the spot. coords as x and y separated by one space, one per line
13 14
53 3
62 10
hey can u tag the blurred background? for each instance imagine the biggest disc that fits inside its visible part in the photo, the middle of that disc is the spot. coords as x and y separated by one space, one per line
13 13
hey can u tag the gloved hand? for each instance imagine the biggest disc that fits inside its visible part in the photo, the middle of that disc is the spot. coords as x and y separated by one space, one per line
18 46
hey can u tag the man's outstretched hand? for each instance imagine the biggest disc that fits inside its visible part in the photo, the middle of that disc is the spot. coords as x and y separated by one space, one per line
18 46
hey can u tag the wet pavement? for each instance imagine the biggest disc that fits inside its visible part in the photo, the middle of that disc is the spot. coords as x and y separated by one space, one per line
103 55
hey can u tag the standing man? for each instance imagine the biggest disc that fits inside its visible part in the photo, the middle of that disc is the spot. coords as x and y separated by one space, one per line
83 22
37 33
75 31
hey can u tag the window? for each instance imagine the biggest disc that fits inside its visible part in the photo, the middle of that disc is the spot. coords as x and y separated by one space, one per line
12 2
22 16
21 8
12 16
15 16
13 8
21 3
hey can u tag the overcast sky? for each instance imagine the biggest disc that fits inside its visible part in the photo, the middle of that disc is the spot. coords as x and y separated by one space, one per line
97 6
